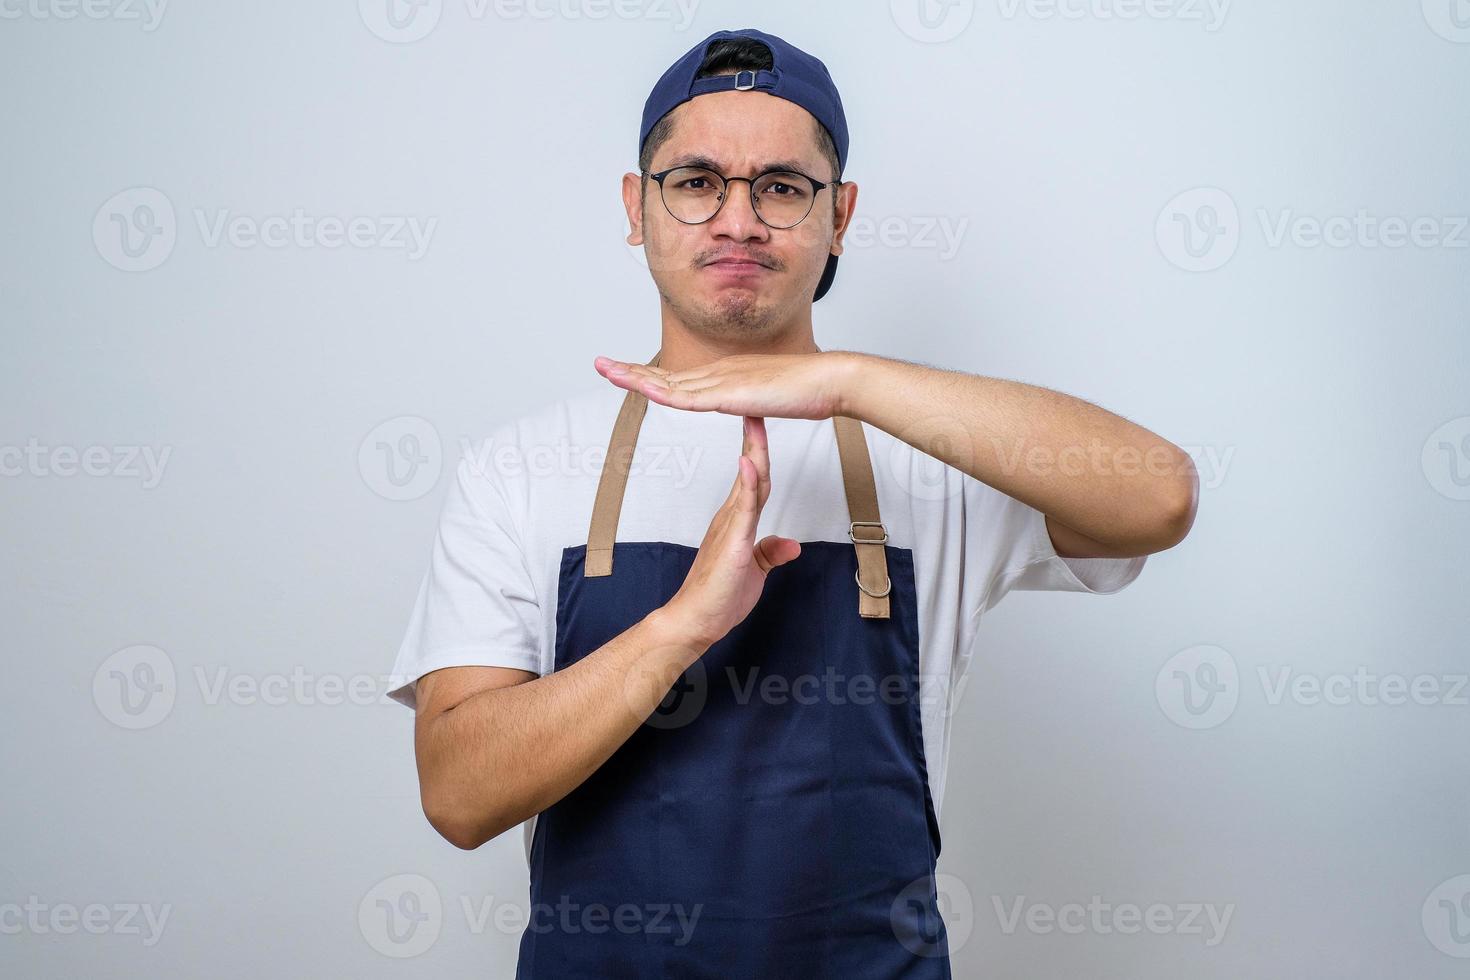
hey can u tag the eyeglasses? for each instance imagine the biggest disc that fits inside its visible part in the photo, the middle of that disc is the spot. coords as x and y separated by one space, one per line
781 198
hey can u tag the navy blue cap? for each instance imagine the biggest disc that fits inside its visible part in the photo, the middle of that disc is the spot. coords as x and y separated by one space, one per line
794 75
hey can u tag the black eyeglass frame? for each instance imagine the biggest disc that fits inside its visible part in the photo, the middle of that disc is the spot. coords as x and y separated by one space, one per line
817 187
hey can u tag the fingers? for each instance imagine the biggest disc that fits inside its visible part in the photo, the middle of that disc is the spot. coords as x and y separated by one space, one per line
758 449
754 447
740 513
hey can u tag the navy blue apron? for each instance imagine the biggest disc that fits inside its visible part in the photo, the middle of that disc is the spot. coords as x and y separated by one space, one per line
772 817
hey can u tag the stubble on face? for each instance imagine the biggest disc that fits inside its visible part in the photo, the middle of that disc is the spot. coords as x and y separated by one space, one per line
733 313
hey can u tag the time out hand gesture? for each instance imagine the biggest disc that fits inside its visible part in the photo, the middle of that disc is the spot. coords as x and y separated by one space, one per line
730 569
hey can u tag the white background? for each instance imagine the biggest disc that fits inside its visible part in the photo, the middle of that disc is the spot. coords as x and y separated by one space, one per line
1321 387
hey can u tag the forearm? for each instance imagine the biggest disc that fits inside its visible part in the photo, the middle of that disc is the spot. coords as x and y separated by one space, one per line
503 755
1105 477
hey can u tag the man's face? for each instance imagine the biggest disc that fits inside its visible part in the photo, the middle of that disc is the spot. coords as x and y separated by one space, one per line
694 266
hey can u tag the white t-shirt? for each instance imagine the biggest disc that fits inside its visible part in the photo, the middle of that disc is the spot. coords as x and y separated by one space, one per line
524 493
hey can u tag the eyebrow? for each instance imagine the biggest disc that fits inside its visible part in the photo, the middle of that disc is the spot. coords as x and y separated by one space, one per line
698 160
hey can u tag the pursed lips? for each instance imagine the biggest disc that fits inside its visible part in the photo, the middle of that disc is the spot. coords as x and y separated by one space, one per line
738 262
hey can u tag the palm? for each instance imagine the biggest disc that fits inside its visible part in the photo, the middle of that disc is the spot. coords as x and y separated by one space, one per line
729 571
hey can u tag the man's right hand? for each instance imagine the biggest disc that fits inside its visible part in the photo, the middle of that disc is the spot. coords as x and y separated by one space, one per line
477 727
730 569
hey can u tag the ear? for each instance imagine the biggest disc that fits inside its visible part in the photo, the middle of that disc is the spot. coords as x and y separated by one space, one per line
633 204
846 208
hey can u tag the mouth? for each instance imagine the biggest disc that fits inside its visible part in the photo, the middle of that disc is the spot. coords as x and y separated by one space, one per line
734 268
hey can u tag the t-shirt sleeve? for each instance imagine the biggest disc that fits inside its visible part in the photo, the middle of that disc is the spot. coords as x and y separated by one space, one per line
1008 546
477 603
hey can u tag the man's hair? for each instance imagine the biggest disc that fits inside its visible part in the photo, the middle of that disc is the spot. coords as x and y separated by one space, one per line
727 57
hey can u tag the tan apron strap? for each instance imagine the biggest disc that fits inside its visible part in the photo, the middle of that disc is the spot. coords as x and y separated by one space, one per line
608 505
866 528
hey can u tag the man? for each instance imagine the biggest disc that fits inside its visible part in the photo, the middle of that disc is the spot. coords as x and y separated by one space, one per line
729 747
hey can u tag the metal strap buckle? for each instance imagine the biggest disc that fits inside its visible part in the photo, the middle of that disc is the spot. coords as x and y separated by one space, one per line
744 88
876 595
857 540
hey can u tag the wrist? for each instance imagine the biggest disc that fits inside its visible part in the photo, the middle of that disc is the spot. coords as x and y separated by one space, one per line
670 630
852 377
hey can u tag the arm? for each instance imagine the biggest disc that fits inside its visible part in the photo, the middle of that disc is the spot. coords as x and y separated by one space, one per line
495 745
1109 488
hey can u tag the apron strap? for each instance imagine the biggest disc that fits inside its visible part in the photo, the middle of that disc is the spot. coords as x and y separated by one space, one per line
862 511
873 583
614 480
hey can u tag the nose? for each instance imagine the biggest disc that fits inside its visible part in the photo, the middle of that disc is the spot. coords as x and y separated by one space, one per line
737 218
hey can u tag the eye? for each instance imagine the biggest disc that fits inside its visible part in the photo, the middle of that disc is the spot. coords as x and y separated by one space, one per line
693 183
784 185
